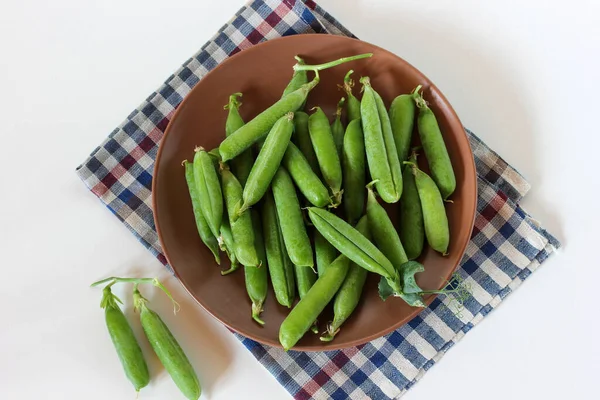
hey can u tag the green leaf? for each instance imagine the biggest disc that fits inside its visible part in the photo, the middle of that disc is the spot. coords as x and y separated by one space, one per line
407 276
385 290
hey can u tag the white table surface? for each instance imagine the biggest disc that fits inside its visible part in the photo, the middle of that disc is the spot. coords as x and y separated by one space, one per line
521 74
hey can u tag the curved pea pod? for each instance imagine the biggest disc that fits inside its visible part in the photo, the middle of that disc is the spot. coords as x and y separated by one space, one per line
301 138
305 179
209 190
256 278
402 119
348 296
203 229
129 351
325 253
268 161
304 314
241 228
291 222
299 78
383 231
227 244
352 104
354 245
375 145
259 126
167 349
242 164
411 228
281 268
390 144
435 219
434 147
326 151
337 128
353 163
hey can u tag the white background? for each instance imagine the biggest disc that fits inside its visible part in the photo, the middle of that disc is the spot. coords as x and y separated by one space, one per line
524 75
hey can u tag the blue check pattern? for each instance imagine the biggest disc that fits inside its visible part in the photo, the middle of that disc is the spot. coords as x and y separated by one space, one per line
506 246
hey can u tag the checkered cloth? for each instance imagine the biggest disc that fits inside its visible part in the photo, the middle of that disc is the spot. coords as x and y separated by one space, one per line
507 245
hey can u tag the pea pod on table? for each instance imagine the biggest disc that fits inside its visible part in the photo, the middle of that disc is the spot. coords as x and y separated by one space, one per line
241 228
348 296
434 147
129 351
201 224
337 128
281 268
402 119
301 138
351 243
326 152
227 244
305 179
256 278
352 104
325 253
268 161
303 315
167 349
383 231
435 219
383 162
411 229
353 165
242 164
209 190
291 221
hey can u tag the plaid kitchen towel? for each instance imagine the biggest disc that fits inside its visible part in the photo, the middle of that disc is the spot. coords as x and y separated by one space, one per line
507 245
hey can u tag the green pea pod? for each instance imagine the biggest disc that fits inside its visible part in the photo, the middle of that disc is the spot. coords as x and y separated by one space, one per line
281 268
435 219
209 190
129 351
348 296
325 253
242 164
227 244
268 161
203 229
390 144
435 148
375 145
383 231
259 126
301 138
411 228
353 163
298 79
351 243
305 179
291 221
352 104
303 315
256 278
167 349
326 151
241 228
337 129
402 119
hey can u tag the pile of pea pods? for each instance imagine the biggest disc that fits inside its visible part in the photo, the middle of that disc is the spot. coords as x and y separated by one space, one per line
285 176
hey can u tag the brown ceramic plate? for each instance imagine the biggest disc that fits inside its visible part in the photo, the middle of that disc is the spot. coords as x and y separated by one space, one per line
261 73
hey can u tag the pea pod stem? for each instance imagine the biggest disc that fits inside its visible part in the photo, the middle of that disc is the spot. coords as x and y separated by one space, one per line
136 281
330 64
